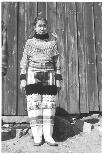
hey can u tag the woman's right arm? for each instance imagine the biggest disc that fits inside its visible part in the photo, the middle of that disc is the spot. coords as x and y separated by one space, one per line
23 67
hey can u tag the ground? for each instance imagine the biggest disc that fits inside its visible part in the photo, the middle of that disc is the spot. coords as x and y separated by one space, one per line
71 138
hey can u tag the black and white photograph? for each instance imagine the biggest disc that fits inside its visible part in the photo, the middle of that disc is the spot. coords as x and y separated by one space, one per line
51 76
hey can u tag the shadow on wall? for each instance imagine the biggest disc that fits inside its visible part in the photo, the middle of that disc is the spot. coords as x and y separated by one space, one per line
68 125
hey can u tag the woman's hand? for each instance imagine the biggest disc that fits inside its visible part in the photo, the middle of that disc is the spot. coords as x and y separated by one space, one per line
22 85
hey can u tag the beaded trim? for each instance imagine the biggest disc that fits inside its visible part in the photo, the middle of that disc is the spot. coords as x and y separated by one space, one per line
39 121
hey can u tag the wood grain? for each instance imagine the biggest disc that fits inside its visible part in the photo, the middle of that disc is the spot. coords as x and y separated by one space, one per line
98 48
27 13
60 30
91 58
10 83
41 9
82 70
72 59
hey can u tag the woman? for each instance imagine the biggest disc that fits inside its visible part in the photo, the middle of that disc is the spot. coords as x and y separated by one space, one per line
40 73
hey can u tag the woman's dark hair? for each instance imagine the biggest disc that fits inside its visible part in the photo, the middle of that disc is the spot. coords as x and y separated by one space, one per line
37 19
32 33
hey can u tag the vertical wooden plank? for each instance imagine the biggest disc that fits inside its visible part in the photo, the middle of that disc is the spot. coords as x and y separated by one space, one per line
30 15
10 83
41 9
51 18
27 12
3 77
72 58
3 80
91 57
4 8
81 59
98 47
60 30
21 109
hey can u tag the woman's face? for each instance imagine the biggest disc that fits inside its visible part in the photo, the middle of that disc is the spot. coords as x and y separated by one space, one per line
41 27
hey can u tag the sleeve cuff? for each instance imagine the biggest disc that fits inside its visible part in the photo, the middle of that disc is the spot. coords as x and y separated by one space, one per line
23 77
58 77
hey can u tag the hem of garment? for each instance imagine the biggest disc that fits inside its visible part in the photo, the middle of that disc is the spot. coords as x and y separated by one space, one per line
39 88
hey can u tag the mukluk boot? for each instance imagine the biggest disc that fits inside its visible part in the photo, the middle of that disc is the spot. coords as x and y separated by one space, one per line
36 125
37 134
48 130
48 127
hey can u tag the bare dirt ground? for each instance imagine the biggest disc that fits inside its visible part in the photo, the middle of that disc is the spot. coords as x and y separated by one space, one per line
69 136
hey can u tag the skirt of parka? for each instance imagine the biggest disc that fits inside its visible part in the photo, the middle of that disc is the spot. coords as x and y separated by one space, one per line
41 93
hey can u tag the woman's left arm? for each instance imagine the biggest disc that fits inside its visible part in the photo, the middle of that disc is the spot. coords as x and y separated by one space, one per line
58 76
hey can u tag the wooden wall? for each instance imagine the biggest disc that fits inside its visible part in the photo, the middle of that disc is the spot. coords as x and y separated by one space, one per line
79 29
